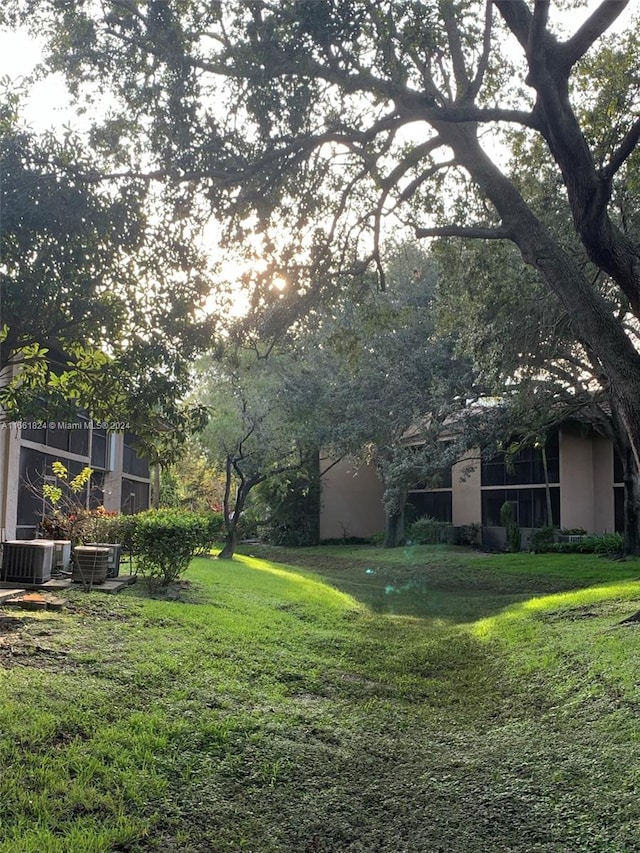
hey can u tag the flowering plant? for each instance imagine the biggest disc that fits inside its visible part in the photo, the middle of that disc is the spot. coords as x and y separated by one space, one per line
66 513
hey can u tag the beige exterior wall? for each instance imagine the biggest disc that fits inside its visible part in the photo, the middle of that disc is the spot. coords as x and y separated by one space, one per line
466 503
351 501
576 481
352 498
113 478
9 478
586 482
603 504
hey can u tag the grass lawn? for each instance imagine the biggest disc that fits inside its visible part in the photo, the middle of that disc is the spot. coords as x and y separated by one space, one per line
330 699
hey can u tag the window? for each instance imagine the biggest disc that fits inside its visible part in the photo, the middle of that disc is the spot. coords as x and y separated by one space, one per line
525 467
135 496
131 462
434 504
618 504
529 506
618 470
99 449
66 436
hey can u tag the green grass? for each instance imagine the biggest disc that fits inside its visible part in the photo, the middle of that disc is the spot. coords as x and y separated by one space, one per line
426 699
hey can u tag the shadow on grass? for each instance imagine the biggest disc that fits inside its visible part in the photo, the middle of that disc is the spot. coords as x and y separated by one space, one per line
450 584
420 598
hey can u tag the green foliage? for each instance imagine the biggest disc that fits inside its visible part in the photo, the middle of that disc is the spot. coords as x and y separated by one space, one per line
607 544
541 539
166 540
81 525
514 540
290 506
102 303
193 483
471 535
429 531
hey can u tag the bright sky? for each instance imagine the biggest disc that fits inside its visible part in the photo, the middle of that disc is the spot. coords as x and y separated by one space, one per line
48 104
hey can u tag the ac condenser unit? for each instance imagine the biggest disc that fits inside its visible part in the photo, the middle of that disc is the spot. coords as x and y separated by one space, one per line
27 561
61 553
115 554
89 565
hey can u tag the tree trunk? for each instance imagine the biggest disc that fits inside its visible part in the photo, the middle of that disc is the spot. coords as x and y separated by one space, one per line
231 519
631 504
230 544
394 534
547 487
155 488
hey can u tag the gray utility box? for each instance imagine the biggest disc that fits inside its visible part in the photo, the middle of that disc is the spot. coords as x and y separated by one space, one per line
27 561
61 553
115 554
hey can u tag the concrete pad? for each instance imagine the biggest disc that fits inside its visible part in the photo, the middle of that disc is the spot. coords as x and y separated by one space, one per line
112 585
59 584
8 594
36 601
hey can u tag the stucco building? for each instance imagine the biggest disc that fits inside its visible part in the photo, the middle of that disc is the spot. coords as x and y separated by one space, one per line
583 485
120 479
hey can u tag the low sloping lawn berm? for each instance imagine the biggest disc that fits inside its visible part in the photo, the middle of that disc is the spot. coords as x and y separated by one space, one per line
330 699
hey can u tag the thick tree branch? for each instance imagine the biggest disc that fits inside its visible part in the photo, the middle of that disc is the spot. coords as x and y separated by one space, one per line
472 232
457 57
624 150
538 27
518 18
596 24
588 190
476 84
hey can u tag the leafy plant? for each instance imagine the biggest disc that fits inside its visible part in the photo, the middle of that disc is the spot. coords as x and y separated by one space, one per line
67 515
165 542
470 534
430 531
608 543
511 526
541 540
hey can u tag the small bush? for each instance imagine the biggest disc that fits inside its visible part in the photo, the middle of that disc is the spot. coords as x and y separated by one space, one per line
608 543
165 542
214 531
470 535
541 540
430 531
514 540
80 526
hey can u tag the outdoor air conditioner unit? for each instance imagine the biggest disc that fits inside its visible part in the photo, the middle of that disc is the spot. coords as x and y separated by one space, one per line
89 565
115 554
61 553
27 561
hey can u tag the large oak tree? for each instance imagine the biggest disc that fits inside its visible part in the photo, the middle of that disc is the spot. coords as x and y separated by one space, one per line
324 118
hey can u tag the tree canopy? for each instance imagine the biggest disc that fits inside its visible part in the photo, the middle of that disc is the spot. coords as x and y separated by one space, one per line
102 297
314 126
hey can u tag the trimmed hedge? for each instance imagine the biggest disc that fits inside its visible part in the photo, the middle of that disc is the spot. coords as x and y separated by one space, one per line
166 540
609 543
430 531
